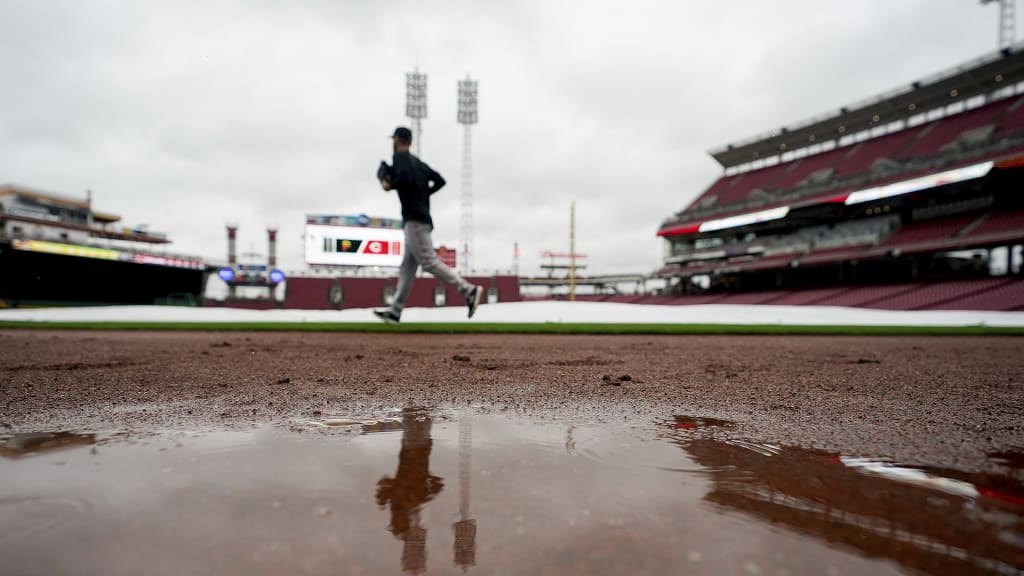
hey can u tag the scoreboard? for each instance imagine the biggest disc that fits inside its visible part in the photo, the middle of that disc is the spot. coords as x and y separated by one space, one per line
340 245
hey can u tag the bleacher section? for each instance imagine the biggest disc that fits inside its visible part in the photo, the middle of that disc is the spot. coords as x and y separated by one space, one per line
862 156
1000 293
929 230
926 296
999 222
900 201
941 133
853 162
802 297
1012 120
1009 296
797 172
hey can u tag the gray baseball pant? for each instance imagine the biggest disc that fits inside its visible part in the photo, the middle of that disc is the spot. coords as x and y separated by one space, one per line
419 251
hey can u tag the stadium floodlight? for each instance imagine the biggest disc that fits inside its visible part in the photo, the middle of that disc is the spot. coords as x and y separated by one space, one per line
1007 21
467 117
416 105
467 101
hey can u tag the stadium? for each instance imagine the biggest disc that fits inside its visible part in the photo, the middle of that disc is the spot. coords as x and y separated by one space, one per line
821 375
901 201
907 200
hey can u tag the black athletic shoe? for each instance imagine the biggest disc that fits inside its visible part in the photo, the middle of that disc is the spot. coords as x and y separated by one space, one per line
387 316
474 299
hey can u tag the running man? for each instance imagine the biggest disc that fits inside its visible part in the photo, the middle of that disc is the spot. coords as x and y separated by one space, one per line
415 182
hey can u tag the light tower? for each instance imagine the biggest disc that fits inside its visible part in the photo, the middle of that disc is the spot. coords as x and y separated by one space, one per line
465 528
467 117
416 105
1007 21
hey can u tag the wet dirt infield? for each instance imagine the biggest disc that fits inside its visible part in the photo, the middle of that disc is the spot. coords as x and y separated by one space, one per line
941 400
277 452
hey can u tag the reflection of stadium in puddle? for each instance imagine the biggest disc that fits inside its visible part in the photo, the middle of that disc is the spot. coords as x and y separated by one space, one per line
678 496
928 519
25 444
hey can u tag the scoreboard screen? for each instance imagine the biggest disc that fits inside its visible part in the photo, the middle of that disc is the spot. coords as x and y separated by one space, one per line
329 245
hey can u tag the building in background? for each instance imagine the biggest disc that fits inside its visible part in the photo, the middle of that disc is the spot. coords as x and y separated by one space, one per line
901 191
56 250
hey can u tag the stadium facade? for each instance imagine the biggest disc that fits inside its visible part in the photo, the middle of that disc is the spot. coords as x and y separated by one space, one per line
56 250
901 198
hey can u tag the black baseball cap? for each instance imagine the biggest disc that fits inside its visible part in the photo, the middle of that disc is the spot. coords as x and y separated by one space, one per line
403 133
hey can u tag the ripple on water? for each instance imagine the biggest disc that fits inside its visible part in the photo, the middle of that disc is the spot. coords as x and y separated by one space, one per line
34 517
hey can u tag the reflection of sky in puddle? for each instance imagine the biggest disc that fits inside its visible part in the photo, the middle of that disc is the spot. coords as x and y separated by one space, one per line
443 492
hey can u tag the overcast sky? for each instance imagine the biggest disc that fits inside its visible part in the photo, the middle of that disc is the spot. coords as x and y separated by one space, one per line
187 115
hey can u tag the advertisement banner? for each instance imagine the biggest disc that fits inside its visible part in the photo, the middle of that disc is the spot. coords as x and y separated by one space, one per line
328 245
105 254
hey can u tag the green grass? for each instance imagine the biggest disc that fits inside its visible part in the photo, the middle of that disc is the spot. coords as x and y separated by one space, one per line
537 328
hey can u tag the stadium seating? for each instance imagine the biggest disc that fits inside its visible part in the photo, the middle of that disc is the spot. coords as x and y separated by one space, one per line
753 297
929 230
1005 116
930 295
862 156
698 299
719 190
1000 293
942 132
1008 296
863 296
805 297
999 222
1013 119
833 254
744 184
798 171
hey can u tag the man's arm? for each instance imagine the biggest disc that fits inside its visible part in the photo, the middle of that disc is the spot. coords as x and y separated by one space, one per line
434 180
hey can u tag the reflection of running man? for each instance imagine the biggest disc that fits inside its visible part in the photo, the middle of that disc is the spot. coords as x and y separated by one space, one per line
412 486
415 182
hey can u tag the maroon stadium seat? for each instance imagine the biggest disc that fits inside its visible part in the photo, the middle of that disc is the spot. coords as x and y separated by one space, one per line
928 296
1008 296
929 230
945 130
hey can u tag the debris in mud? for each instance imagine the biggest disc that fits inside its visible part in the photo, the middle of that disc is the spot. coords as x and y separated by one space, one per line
339 424
460 358
696 422
284 380
609 380
224 344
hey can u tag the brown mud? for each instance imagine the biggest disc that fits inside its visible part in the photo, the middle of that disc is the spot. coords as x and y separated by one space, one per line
940 401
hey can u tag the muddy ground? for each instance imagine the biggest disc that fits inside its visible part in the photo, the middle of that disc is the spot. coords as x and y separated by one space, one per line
940 401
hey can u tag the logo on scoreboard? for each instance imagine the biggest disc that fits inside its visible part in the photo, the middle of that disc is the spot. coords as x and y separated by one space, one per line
382 247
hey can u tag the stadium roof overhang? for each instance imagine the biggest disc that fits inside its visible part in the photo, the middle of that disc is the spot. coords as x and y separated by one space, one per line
893 189
982 76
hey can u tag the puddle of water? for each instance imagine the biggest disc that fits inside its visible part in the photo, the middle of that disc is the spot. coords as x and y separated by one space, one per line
450 492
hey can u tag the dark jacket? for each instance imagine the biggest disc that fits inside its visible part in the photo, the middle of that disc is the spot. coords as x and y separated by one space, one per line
415 182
